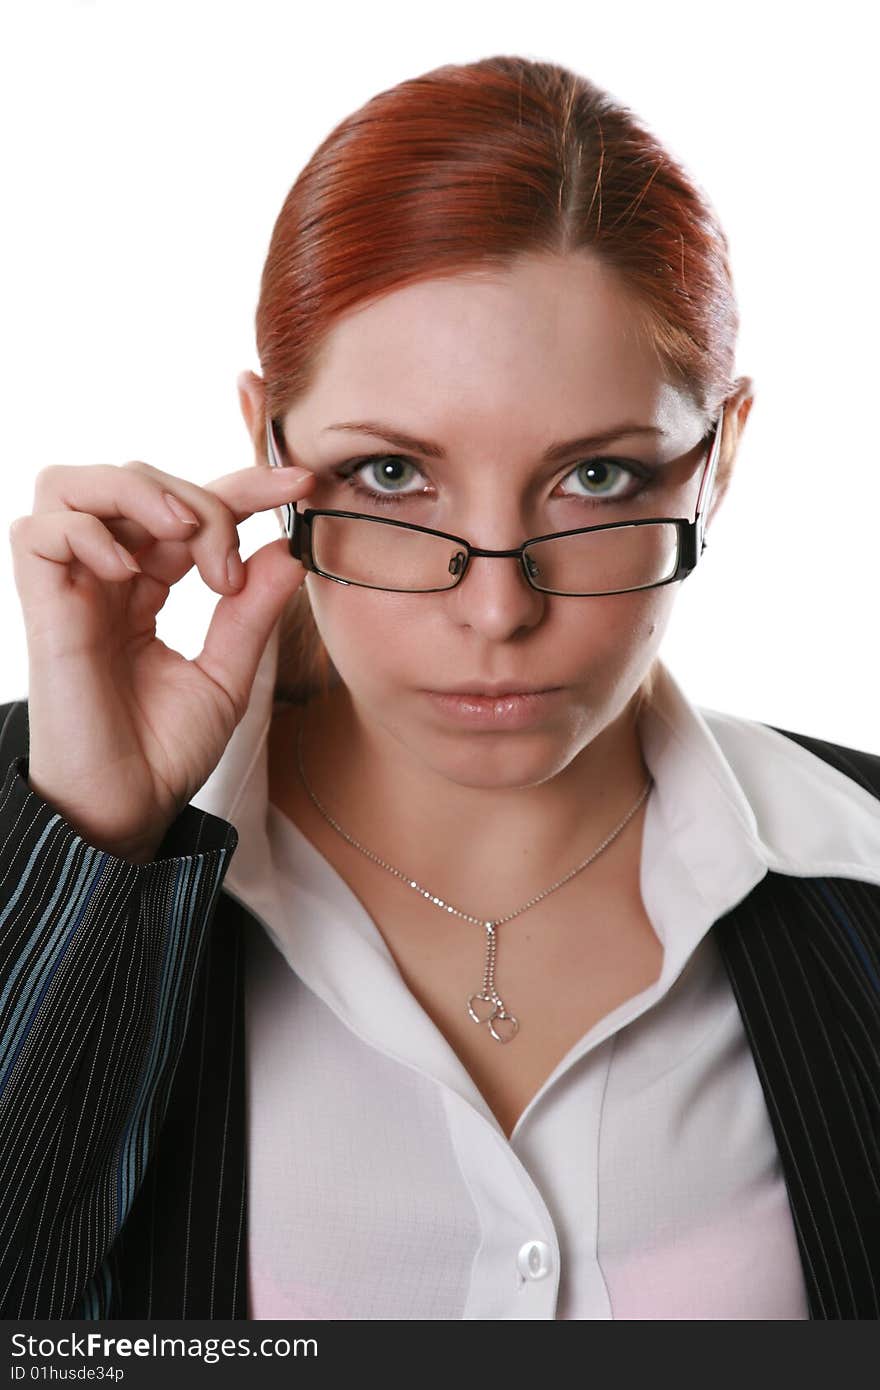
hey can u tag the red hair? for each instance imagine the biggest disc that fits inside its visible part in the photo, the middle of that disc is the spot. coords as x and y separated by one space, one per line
466 168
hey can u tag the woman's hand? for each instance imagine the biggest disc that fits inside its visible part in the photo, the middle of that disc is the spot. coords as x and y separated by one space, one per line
124 730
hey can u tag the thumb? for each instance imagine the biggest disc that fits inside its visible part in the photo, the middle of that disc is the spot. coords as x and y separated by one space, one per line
242 623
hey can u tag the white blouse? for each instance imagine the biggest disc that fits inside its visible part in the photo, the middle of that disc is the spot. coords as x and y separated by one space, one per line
642 1181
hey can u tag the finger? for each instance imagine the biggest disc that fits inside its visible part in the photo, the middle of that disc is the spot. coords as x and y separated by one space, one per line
242 623
52 549
273 485
167 561
137 505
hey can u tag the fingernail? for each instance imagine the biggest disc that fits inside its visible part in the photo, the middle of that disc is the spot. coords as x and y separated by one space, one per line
127 559
235 569
179 511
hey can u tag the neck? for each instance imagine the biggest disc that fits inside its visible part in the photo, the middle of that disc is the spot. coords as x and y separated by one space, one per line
444 832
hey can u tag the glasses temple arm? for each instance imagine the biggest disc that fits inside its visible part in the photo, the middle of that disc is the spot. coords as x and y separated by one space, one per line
271 446
707 484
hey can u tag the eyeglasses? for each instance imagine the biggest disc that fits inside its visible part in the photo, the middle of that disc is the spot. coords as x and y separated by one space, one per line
614 558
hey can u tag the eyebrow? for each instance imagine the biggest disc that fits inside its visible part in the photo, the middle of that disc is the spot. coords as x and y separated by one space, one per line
436 451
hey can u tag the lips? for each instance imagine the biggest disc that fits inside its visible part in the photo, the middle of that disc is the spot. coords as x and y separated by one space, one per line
511 711
490 692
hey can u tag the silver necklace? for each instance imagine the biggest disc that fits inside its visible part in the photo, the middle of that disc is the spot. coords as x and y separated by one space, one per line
486 1005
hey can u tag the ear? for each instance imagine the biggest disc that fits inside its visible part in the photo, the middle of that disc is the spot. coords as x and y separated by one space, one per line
736 412
251 397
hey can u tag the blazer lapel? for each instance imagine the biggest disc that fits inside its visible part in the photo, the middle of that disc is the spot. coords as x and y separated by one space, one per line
795 956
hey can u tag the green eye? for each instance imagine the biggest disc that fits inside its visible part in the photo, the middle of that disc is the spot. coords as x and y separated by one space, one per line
602 477
354 474
386 466
600 471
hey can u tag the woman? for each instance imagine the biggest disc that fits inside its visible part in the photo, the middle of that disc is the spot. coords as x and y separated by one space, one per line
497 327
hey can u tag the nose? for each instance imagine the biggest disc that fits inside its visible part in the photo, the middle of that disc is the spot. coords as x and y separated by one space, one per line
495 598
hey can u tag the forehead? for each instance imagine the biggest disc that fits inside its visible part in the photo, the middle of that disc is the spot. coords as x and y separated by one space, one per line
547 339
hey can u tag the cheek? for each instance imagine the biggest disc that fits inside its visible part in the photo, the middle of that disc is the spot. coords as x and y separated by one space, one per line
365 632
614 631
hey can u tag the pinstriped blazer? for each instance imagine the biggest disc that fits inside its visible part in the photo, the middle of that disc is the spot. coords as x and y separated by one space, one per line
123 1184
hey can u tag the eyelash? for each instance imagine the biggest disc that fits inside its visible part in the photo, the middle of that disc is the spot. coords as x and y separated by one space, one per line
351 470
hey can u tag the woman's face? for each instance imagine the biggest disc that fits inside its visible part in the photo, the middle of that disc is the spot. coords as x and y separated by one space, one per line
495 369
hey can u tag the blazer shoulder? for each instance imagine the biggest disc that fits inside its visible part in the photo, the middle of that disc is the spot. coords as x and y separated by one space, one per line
14 731
856 763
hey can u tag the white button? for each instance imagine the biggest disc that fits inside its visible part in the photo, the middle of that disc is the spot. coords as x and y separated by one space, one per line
533 1259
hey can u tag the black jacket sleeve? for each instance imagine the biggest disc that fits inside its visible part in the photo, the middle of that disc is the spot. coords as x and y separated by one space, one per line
99 959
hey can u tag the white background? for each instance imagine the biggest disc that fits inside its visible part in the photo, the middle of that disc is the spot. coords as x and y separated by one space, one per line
147 148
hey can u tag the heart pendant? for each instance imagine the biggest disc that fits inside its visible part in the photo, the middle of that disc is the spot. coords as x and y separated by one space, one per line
484 1017
509 1026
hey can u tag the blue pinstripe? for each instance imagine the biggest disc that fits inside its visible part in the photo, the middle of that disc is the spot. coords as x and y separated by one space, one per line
850 930
52 955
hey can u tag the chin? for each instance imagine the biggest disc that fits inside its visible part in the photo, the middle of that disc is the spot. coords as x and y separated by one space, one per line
499 762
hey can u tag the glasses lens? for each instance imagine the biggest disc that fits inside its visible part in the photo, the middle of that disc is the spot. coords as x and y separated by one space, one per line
381 555
605 562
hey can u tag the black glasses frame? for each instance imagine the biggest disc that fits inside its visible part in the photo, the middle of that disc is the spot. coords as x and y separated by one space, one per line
691 534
